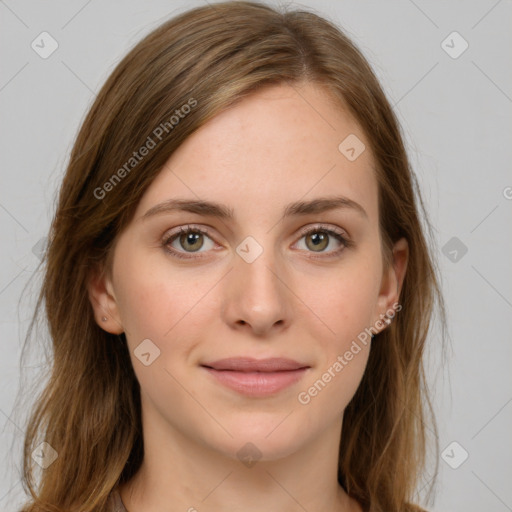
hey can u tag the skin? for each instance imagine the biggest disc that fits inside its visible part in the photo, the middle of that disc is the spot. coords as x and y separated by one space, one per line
277 146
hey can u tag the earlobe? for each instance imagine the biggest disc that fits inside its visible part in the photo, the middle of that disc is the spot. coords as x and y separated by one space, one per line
104 303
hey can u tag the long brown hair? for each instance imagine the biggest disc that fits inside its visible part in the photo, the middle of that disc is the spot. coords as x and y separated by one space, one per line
209 58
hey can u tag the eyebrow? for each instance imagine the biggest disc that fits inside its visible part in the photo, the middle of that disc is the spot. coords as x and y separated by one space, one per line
213 209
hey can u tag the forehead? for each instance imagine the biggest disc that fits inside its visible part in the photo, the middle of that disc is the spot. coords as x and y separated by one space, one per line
273 147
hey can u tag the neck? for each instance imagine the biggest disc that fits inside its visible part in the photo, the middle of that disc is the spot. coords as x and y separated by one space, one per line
181 474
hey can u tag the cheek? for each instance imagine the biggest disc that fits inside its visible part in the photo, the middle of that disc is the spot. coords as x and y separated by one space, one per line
343 350
343 301
330 393
169 306
153 296
345 305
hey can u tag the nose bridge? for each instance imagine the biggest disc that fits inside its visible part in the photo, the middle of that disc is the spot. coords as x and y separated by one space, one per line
256 294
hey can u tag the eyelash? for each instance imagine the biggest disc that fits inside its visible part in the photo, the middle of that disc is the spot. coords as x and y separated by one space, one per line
338 234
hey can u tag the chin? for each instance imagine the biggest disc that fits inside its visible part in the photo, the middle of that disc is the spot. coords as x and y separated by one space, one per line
265 440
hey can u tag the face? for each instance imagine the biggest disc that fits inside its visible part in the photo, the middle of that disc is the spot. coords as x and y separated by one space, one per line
283 263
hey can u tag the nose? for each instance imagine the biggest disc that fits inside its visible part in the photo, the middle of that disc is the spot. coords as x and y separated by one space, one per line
255 296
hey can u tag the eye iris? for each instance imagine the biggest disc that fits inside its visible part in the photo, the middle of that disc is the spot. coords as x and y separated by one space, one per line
192 239
319 241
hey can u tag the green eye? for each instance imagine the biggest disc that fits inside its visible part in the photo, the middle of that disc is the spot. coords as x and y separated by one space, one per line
187 240
318 239
192 241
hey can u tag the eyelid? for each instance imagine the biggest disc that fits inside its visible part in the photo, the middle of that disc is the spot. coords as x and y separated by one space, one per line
323 227
312 228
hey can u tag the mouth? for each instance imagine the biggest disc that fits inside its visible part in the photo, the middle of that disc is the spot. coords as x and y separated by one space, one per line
256 378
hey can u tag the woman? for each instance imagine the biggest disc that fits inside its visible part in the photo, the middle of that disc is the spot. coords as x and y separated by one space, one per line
237 282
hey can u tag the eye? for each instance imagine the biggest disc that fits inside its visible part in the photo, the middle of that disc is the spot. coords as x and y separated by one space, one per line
187 239
188 242
319 239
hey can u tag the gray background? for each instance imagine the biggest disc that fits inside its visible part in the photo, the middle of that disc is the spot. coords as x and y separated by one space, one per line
456 114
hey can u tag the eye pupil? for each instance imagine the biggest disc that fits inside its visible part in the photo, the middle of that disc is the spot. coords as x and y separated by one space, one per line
192 239
317 239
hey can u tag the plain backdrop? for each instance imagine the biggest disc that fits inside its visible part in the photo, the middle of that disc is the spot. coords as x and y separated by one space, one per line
446 68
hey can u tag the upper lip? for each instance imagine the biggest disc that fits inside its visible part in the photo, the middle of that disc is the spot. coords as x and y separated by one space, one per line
248 364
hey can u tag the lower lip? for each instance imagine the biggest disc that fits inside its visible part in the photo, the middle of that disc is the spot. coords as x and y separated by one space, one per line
257 384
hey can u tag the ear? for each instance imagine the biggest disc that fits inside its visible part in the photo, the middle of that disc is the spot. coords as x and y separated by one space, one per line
392 281
104 303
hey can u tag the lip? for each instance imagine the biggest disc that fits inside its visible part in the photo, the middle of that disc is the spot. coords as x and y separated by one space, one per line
256 377
249 364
